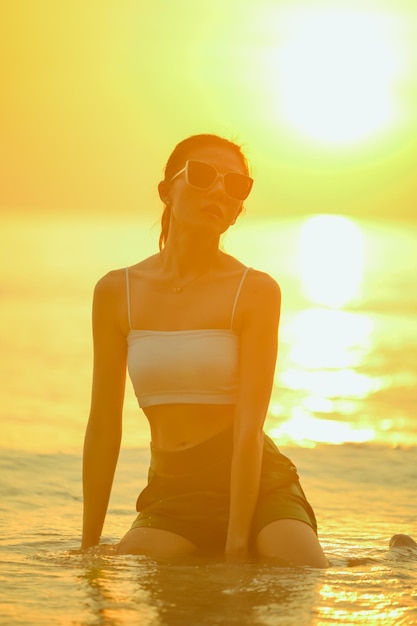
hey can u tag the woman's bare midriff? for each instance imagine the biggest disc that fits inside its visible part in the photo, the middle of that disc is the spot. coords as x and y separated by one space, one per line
180 426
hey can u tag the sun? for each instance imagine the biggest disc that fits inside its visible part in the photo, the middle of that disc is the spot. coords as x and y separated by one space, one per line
337 72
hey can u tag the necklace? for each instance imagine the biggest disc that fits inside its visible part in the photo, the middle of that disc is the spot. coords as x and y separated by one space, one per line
178 288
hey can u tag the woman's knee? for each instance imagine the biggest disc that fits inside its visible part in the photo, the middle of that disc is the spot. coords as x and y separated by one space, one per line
155 542
291 541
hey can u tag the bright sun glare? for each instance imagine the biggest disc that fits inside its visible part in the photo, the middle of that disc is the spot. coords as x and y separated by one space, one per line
337 72
331 259
328 344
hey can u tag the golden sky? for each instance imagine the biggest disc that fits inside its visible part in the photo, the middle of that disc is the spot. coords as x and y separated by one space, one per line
323 95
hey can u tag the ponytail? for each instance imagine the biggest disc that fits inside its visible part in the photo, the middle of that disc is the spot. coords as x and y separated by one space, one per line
165 219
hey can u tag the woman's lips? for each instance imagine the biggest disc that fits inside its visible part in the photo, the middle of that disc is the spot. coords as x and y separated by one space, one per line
213 209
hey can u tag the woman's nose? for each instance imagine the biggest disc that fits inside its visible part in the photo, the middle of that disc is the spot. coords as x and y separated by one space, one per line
218 184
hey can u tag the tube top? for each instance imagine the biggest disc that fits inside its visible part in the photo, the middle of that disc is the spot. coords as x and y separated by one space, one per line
183 366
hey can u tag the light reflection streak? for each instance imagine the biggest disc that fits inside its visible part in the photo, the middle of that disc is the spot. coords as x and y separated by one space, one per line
307 430
331 259
331 384
329 338
358 606
328 347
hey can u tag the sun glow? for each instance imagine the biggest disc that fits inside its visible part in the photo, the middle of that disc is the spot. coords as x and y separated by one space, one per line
331 259
338 70
330 339
327 345
324 371
308 430
327 350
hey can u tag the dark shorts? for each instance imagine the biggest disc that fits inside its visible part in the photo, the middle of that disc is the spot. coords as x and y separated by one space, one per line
188 492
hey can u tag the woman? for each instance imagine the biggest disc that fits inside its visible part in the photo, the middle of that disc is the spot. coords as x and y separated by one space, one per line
198 331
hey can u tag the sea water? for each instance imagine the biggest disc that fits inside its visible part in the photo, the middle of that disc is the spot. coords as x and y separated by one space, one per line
362 494
343 408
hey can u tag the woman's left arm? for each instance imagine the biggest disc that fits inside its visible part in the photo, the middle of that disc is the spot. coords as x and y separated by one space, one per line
260 313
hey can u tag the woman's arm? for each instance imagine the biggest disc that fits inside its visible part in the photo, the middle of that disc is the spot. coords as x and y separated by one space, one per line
104 429
258 351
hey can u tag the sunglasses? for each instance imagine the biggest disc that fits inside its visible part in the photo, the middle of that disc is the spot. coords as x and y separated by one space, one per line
203 175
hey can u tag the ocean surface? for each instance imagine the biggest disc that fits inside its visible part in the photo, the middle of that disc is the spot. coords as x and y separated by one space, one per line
344 408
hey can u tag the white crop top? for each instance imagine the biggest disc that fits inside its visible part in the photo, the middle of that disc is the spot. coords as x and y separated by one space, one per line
184 366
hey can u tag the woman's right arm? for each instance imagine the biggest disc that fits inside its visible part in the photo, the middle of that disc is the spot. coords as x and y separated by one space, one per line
104 429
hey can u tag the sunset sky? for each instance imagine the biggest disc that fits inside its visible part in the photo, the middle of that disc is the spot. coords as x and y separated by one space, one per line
323 95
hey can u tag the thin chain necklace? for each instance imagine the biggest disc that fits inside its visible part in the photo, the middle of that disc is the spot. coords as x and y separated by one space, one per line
178 288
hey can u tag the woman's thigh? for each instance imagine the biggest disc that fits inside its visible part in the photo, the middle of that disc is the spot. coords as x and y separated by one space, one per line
155 543
292 541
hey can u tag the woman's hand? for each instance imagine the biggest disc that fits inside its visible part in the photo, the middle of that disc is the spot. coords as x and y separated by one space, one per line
239 557
103 548
236 551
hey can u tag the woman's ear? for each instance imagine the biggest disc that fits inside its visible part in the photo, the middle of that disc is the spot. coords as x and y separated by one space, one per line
163 192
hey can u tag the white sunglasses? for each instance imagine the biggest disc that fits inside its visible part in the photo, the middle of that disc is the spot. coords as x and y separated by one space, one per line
203 175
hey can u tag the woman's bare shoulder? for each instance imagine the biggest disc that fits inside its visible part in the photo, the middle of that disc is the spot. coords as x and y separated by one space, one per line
110 284
260 283
146 265
261 296
115 280
255 278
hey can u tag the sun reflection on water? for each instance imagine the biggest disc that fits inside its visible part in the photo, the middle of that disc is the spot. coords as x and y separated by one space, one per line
329 338
307 430
361 605
331 259
327 345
